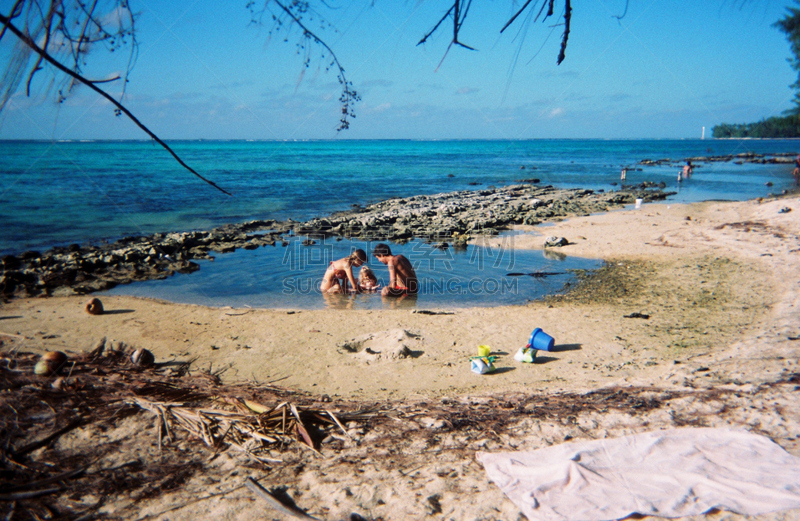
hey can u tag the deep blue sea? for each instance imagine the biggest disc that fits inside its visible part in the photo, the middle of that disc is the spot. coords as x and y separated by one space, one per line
56 193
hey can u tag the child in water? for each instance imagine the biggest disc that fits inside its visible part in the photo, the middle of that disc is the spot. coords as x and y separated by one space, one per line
367 280
340 273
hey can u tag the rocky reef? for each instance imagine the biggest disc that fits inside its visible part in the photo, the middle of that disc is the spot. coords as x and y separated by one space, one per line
445 218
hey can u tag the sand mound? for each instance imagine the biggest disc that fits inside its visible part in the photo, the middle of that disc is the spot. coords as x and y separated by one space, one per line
394 344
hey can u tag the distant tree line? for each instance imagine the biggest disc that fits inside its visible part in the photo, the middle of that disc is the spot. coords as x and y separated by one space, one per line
775 127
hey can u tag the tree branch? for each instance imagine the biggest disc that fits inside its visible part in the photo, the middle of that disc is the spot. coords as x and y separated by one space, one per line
567 17
511 21
348 96
625 12
15 12
425 38
458 20
36 66
46 56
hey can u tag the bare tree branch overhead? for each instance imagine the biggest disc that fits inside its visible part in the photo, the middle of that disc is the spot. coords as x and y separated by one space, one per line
52 24
459 10
62 33
67 31
297 12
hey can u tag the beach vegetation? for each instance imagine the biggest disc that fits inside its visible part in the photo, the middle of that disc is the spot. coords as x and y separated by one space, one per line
790 26
774 127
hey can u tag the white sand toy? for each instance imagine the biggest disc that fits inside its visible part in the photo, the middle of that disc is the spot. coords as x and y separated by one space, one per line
526 355
482 364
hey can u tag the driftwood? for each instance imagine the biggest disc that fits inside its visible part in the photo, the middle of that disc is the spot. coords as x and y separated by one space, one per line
250 429
272 501
39 473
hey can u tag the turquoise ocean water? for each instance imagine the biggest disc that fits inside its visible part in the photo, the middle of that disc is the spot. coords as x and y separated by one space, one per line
78 192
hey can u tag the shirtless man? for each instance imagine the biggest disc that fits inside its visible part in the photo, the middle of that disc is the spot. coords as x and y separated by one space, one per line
402 278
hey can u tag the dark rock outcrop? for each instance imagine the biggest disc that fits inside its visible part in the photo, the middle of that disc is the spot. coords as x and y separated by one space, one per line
440 218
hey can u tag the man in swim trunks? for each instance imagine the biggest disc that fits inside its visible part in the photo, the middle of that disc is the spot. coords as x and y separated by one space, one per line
402 278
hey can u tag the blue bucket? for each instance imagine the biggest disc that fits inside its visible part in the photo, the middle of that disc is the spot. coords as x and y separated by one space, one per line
541 340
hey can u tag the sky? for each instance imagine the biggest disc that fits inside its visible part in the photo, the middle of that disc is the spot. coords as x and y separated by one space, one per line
637 69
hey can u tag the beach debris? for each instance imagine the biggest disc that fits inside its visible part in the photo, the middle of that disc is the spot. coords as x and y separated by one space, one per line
553 241
292 511
637 315
94 306
535 274
252 428
98 349
429 312
50 363
143 357
239 314
484 350
434 505
785 209
482 364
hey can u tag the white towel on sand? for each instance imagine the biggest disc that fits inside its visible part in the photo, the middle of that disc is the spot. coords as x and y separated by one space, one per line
672 473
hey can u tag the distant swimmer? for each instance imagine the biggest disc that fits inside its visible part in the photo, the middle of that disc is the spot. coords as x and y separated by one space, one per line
688 169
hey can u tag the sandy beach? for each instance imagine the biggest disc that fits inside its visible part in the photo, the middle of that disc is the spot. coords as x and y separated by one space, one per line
692 322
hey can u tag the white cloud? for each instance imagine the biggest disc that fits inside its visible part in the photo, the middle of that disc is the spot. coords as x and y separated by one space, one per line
383 107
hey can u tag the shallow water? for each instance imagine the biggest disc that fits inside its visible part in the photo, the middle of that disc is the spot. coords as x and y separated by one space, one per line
78 192
88 192
289 277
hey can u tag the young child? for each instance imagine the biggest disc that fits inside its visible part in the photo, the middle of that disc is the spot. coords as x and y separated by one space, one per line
402 278
340 273
367 280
